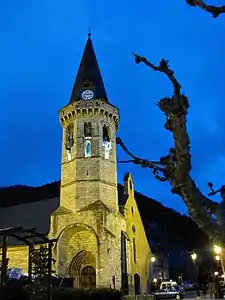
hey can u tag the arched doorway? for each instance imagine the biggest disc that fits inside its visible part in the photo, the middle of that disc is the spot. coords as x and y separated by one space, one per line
137 284
88 278
82 270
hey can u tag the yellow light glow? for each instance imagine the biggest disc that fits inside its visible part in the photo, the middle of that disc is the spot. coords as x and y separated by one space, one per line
217 257
216 273
153 259
194 256
217 249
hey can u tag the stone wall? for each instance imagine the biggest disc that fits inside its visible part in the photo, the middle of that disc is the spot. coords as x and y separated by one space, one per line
18 257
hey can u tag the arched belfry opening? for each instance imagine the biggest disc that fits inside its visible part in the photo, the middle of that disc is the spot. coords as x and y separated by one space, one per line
88 130
106 141
82 269
87 137
69 140
106 133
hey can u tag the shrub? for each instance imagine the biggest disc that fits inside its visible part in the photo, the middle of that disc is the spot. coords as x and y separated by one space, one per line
79 294
15 290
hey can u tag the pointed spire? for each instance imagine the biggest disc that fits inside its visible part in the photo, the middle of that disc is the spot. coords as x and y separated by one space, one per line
89 75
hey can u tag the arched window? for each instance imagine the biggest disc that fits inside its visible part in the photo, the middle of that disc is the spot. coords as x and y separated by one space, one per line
87 130
137 284
69 141
106 140
106 133
87 148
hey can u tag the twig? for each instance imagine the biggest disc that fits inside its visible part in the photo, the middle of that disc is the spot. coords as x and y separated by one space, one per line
163 67
214 10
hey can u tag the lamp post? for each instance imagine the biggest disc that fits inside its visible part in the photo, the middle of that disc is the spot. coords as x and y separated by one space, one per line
218 256
194 259
153 274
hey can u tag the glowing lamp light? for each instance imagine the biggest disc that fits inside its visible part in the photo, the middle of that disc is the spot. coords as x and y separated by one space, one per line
217 257
194 256
153 259
154 280
216 273
217 249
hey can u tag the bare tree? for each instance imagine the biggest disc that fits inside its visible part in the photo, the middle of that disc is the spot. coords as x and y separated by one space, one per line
176 166
214 10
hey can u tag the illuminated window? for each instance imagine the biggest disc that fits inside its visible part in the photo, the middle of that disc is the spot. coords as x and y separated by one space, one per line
106 143
87 148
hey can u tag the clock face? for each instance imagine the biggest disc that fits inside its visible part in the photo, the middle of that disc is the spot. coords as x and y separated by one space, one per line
87 95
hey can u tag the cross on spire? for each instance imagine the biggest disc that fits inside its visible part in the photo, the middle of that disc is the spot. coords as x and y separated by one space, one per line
89 32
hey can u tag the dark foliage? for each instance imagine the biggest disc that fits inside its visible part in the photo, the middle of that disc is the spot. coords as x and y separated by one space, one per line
15 290
97 294
18 194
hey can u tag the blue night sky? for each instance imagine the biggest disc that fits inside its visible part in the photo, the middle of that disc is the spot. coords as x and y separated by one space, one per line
41 46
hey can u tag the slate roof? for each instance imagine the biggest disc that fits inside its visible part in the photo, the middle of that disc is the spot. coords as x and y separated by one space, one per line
89 75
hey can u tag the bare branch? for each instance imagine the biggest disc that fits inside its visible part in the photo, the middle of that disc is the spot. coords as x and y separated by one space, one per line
137 160
163 67
214 10
177 165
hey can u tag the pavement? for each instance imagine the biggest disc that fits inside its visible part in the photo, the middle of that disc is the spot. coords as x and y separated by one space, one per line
192 295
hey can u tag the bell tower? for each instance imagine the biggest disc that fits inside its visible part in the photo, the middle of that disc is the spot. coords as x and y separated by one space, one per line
90 123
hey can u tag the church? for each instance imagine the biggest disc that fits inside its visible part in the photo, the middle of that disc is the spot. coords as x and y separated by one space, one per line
101 240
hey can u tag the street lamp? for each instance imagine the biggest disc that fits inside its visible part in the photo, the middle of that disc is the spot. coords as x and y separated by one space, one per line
194 258
216 273
217 257
217 249
153 259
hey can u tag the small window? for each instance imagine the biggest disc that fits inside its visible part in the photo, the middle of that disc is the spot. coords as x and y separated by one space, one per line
134 249
87 148
87 130
132 210
133 229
